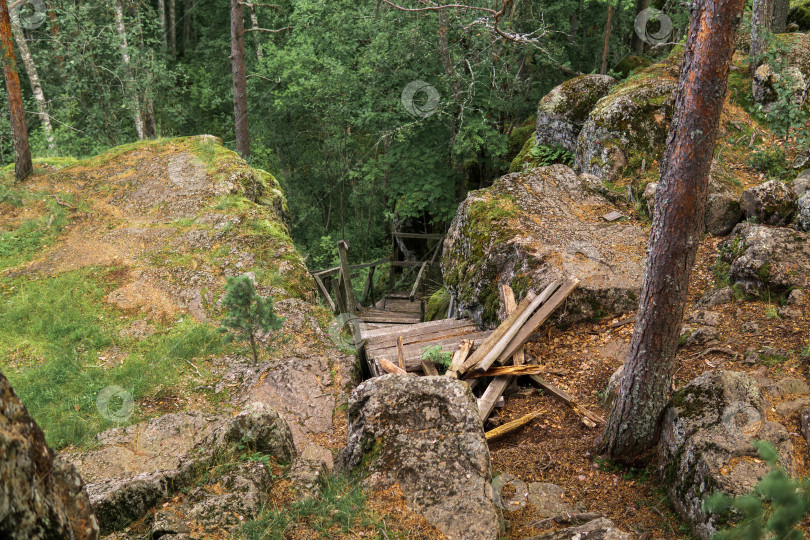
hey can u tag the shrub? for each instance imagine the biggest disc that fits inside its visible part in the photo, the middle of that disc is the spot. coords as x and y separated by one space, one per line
246 313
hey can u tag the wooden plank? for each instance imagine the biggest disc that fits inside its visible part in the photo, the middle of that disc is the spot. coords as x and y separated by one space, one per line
343 255
533 324
429 368
426 327
390 367
568 400
324 293
388 318
336 269
411 336
511 305
496 335
514 371
389 342
340 302
413 354
494 353
509 427
458 358
400 353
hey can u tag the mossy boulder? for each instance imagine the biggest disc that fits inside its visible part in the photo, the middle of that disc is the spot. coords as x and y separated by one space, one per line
799 15
629 64
795 75
771 203
564 110
767 260
631 123
524 159
705 445
530 229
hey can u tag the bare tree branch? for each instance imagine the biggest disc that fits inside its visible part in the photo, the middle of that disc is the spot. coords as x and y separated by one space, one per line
269 30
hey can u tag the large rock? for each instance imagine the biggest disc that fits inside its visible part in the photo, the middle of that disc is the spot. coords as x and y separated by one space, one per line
767 259
424 434
771 203
564 110
631 123
530 229
705 444
794 77
801 185
177 449
803 213
41 495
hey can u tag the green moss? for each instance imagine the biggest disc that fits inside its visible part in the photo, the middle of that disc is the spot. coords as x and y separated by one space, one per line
438 305
629 64
524 158
800 14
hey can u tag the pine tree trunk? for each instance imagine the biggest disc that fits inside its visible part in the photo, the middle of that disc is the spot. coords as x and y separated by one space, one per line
172 30
187 9
761 18
780 13
129 82
36 87
23 166
632 428
240 108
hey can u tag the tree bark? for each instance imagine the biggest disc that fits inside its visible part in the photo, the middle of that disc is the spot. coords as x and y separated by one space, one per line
603 70
632 428
780 13
36 87
761 18
188 6
254 25
129 81
23 166
172 30
162 19
240 108
637 44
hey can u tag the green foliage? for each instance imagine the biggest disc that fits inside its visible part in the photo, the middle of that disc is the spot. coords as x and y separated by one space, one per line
436 355
771 162
341 507
437 305
548 155
773 509
246 313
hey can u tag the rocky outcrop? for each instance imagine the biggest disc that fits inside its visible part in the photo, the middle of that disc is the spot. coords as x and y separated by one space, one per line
801 185
771 203
793 79
530 229
176 450
803 212
41 495
564 110
424 434
705 444
630 124
767 259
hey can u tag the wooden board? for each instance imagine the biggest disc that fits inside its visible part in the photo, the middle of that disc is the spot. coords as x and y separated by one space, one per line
413 352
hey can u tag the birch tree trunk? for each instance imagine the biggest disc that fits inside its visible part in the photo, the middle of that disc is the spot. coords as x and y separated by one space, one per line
254 25
172 30
36 87
240 108
162 19
632 428
129 82
23 166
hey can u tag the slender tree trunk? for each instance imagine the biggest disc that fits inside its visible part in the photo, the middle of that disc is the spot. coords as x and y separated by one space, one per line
36 87
254 25
780 13
240 107
452 76
188 7
129 82
603 70
162 18
23 166
172 30
637 44
632 428
761 18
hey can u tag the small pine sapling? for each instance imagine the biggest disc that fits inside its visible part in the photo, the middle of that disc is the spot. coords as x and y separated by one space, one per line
775 507
247 313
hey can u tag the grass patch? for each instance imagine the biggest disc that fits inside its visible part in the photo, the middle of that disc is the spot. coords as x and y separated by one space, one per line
31 236
52 333
341 508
